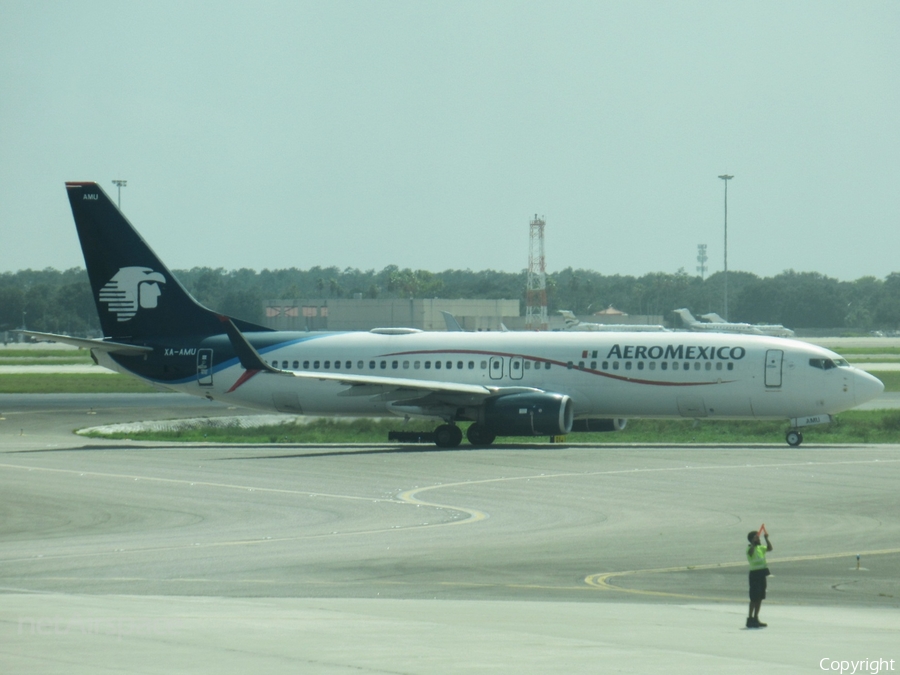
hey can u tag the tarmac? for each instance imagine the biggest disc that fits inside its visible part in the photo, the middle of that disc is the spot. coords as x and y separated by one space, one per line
130 557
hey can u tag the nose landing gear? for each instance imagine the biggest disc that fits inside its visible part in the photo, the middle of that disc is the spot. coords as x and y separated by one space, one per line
793 438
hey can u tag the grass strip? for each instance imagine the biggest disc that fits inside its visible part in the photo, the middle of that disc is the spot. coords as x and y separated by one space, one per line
891 379
73 360
66 383
864 426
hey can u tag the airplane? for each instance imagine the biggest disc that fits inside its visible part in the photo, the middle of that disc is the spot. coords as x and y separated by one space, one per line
692 324
775 329
504 383
452 324
574 323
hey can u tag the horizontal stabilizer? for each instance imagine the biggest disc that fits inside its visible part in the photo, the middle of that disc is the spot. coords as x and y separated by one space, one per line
87 343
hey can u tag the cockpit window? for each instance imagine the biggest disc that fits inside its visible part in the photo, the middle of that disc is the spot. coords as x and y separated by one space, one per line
841 363
826 364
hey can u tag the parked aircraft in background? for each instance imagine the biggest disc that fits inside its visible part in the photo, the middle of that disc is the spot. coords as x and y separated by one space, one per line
775 329
700 326
505 384
574 323
452 324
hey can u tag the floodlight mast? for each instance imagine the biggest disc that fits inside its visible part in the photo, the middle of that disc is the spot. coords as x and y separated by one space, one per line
119 183
725 177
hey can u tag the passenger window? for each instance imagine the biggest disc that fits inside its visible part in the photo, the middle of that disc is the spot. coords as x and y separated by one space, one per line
306 365
395 365
295 365
449 365
459 364
730 366
371 365
316 365
417 365
696 365
527 365
719 365
428 365
406 365
674 365
547 365
687 366
615 365
437 365
653 365
383 365
284 365
471 365
605 365
581 365
628 365
593 365
570 365
337 365
708 365
640 365
360 364
483 365
664 365
327 365
349 365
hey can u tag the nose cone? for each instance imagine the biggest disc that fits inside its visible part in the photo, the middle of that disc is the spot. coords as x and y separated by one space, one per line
866 387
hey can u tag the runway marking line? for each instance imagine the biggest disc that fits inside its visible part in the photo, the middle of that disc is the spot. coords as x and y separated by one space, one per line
602 581
409 497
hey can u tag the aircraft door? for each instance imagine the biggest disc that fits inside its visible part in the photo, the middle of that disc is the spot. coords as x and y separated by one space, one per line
774 357
516 367
204 367
496 367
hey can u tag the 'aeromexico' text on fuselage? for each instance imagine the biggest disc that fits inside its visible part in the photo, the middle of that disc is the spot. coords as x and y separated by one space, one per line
682 352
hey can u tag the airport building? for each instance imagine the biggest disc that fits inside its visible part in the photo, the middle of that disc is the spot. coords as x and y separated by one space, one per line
367 313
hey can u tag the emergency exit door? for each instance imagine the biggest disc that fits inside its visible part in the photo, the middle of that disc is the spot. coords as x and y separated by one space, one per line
774 357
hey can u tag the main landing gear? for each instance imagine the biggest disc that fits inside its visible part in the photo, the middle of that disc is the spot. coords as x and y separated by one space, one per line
479 436
450 435
447 436
793 438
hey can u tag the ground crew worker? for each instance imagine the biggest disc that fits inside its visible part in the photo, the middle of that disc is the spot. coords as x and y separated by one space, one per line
759 570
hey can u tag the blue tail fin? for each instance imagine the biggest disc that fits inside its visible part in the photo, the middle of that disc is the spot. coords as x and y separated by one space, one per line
136 295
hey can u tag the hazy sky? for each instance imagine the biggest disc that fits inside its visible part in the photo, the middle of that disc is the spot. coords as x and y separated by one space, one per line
428 134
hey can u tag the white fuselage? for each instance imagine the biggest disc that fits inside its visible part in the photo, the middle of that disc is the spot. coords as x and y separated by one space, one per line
650 375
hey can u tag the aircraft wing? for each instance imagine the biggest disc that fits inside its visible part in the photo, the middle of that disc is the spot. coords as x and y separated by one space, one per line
87 343
388 388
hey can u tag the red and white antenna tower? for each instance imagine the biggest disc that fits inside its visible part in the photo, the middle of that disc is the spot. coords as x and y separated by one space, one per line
536 288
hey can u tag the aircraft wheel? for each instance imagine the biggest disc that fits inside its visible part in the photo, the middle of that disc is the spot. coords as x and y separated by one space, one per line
793 438
447 436
478 435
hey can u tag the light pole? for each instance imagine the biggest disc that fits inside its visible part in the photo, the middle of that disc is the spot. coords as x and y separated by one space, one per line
119 183
725 177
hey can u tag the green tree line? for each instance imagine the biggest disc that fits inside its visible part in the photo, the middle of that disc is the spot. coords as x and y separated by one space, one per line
60 301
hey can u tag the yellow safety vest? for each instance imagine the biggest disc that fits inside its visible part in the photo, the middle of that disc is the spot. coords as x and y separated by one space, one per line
756 556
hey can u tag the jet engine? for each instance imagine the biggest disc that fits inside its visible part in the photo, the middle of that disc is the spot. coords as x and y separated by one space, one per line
529 414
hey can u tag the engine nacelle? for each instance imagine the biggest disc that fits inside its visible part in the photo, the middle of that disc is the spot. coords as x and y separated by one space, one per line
529 414
617 424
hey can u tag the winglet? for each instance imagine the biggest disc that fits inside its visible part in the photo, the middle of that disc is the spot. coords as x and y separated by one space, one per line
246 353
